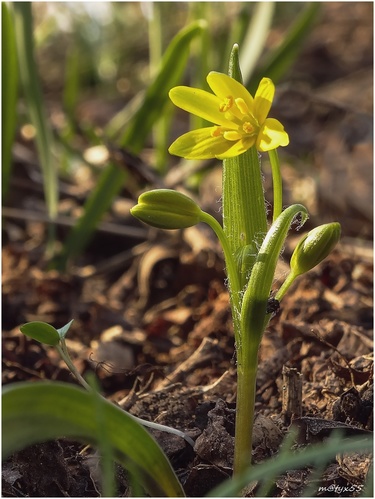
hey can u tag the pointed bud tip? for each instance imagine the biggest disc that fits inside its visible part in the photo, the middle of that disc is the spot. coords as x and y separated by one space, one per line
314 247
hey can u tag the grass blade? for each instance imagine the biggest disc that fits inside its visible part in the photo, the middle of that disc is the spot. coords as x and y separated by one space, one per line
109 184
171 71
9 90
253 44
279 60
61 410
313 455
33 94
112 179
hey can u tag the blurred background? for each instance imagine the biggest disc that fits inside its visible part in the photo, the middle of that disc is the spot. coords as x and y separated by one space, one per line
95 61
87 123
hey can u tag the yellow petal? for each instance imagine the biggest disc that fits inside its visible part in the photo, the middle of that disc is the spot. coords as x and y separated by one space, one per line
200 144
263 99
223 85
271 136
200 103
237 148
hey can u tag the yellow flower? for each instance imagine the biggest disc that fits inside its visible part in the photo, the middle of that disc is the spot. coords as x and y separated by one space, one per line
240 120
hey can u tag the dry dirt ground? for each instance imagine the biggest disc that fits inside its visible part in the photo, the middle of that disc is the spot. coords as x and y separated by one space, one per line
152 318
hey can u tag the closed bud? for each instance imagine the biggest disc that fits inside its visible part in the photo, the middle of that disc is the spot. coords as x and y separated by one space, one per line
314 247
167 209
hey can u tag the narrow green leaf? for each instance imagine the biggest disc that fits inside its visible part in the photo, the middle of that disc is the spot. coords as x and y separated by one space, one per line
109 184
9 91
314 454
104 444
57 410
253 44
279 60
244 210
35 106
41 331
255 299
172 68
112 179
72 80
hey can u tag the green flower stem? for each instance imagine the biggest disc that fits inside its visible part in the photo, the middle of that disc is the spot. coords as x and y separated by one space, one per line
277 184
231 268
254 319
63 351
244 212
285 286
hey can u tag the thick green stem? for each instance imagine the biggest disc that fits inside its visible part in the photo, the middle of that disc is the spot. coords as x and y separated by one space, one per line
277 184
244 224
246 388
244 212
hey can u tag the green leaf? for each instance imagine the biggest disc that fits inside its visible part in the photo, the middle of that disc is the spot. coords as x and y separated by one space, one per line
63 330
109 184
35 106
57 410
41 331
113 179
318 454
72 80
279 60
9 90
171 71
253 44
255 299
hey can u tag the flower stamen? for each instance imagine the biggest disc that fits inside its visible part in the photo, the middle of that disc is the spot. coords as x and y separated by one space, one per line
242 106
226 104
217 131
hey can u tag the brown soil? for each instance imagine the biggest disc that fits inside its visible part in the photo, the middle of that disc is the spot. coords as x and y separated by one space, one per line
152 317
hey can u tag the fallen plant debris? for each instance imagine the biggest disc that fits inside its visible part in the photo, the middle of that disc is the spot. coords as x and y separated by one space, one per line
183 392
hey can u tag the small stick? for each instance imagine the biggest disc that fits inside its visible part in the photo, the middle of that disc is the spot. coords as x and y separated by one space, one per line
291 394
206 352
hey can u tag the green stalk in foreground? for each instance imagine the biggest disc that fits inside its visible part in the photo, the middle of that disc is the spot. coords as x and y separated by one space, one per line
241 130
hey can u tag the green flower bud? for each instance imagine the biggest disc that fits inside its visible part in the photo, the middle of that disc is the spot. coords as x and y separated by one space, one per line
314 247
167 209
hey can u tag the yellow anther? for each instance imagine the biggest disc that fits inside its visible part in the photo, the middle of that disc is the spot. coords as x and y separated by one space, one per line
226 104
242 106
217 131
